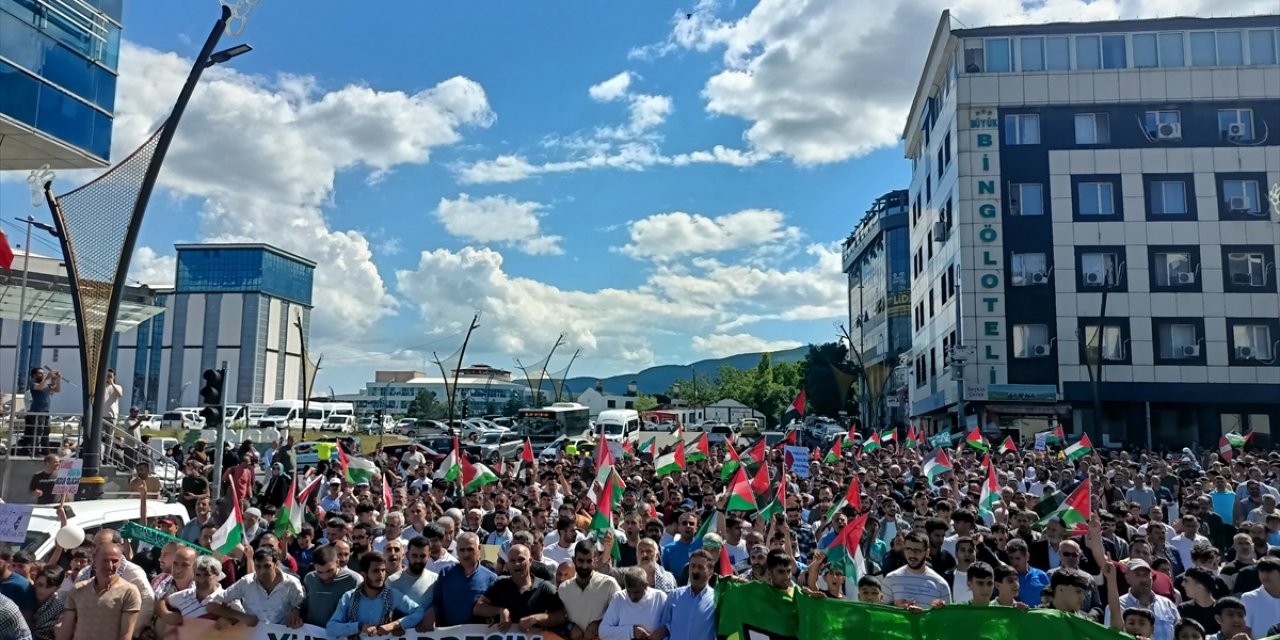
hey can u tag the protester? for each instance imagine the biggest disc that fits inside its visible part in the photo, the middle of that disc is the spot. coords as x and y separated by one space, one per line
105 606
373 608
265 595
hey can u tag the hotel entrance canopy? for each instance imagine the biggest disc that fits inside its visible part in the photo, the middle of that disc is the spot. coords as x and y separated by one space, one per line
48 296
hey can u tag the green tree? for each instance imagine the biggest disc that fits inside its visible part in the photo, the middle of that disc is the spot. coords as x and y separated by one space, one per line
425 406
825 371
644 403
698 391
514 404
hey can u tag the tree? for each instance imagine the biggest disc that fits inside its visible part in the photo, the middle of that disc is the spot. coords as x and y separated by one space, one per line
514 404
425 406
644 403
697 392
825 371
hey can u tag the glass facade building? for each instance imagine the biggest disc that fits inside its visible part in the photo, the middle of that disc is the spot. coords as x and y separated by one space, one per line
58 70
244 269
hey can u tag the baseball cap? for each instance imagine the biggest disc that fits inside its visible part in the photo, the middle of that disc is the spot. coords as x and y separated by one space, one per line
1136 564
334 481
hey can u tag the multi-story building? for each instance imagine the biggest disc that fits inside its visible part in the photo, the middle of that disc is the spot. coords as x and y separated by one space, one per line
876 258
480 388
239 303
1095 197
57 82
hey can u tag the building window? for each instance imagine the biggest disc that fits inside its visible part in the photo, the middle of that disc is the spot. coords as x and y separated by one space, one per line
1247 269
933 362
1093 128
997 54
1031 54
1171 54
1178 340
1031 341
1100 52
1028 269
1235 125
1106 339
1174 269
1087 54
1164 125
1022 128
1145 51
1223 48
1241 197
1252 342
613 404
1262 47
1058 53
1167 197
1099 270
1026 199
1095 199
55 355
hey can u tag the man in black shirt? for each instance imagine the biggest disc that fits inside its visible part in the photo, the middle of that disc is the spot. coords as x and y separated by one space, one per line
41 487
521 599
194 487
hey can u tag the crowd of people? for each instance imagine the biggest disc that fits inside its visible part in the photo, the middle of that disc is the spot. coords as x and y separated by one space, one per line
1180 546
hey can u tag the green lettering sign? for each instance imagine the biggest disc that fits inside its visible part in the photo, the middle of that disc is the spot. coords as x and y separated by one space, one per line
988 234
987 259
990 281
986 186
991 328
991 303
987 210
984 140
988 354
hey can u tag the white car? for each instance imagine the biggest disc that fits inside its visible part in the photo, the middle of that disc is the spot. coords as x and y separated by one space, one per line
90 516
181 420
341 424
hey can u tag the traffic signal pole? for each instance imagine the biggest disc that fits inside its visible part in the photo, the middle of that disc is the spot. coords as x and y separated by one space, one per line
214 412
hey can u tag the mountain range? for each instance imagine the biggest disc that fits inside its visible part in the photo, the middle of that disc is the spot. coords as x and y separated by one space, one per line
660 378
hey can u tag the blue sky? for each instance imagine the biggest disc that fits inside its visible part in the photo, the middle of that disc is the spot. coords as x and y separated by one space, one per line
662 188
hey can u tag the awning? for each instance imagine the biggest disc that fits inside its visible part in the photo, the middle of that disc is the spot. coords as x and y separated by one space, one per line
1060 409
48 297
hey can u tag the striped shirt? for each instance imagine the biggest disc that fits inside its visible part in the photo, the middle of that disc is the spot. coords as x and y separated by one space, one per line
922 588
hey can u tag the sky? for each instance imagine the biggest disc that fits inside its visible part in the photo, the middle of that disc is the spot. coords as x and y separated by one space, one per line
660 181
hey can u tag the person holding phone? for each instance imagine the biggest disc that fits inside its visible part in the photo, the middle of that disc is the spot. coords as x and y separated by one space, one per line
35 436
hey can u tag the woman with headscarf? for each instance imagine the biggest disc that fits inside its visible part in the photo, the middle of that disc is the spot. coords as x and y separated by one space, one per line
277 487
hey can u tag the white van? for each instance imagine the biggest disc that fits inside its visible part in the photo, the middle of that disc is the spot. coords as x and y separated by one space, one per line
91 515
284 414
618 424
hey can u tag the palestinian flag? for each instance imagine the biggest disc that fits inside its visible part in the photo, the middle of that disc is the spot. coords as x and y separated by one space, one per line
1055 436
789 441
975 440
887 436
849 438
603 518
757 452
1238 440
1008 446
627 451
990 494
649 447
701 449
1225 450
726 565
356 470
938 464
231 534
289 521
603 454
852 498
795 411
1049 504
913 438
731 462
834 455
872 443
779 503
473 477
741 498
760 483
707 527
669 463
1079 449
1074 513
386 490
526 455
449 466
845 549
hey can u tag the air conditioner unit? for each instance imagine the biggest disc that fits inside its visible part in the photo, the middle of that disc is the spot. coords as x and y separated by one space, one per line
1186 278
1236 131
1191 351
1093 277
1169 131
1239 203
1039 278
1244 353
940 231
1041 349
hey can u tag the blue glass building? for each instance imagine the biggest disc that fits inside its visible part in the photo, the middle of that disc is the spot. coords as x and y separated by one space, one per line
58 68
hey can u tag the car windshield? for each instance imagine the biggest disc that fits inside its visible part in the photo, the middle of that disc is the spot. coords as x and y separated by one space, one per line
721 430
173 416
278 411
33 540
612 429
337 419
491 438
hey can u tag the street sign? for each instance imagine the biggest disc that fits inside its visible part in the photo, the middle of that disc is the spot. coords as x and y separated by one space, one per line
975 391
67 481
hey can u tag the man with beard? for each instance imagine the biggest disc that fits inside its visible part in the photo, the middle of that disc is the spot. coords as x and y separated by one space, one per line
690 610
586 596
191 530
416 581
647 559
459 586
324 587
520 598
915 584
372 607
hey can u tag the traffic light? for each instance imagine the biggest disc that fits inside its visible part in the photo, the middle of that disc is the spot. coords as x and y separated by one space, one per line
466 411
377 417
211 398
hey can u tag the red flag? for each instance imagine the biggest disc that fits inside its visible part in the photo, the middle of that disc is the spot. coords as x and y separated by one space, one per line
741 493
6 253
854 495
798 404
527 454
726 566
604 457
757 452
386 494
1008 446
760 483
1225 450
789 440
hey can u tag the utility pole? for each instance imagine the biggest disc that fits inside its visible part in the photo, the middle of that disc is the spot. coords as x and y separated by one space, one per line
959 358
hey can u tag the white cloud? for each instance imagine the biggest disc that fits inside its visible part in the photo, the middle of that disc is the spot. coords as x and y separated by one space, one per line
615 328
498 219
669 235
152 269
263 154
633 156
611 89
826 80
720 345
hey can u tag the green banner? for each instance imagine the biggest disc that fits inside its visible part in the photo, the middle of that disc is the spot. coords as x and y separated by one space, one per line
757 607
153 537
941 440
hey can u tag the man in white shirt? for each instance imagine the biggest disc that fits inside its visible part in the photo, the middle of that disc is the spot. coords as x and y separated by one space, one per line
1138 575
634 612
267 595
1187 537
1262 605
561 550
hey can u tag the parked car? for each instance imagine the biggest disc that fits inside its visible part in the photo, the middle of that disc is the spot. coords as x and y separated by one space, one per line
435 456
181 420
421 427
749 427
718 434
439 443
371 425
91 516
341 424
494 445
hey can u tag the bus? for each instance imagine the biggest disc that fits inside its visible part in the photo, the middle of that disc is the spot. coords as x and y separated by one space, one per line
542 426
